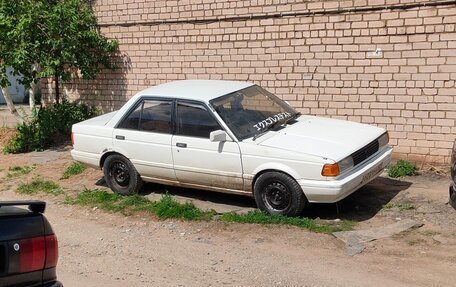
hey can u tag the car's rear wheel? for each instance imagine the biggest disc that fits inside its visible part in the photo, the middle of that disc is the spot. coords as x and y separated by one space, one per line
121 176
278 193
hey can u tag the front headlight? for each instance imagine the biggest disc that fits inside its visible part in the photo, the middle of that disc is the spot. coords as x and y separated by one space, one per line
334 169
345 164
383 140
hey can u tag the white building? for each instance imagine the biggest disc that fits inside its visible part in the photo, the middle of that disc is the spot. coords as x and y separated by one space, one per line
16 90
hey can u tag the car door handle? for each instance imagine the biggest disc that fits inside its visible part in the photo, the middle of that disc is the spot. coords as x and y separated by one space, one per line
181 144
120 137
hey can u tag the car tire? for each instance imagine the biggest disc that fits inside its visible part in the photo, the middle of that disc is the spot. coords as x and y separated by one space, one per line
453 199
278 193
121 176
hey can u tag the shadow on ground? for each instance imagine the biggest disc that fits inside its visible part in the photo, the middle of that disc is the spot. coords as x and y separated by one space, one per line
360 206
237 201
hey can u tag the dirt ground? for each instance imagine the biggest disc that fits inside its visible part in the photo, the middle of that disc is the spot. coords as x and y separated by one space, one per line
5 135
103 249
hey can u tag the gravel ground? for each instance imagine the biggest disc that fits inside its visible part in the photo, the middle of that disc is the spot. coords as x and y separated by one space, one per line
104 249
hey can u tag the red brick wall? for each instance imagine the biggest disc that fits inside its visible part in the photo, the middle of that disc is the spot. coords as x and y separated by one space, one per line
322 64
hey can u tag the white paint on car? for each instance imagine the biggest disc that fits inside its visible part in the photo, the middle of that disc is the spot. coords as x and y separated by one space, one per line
300 149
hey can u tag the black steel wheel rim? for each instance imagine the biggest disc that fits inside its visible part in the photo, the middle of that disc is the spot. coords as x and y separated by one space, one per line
277 196
120 173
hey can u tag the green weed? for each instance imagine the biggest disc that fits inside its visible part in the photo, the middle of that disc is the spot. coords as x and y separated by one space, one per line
259 217
15 171
401 168
107 201
167 207
400 206
74 168
39 185
164 208
429 232
416 241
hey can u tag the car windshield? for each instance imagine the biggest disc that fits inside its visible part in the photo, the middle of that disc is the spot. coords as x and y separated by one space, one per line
252 111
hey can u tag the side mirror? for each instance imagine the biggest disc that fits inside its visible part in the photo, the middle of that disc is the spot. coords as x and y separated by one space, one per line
219 136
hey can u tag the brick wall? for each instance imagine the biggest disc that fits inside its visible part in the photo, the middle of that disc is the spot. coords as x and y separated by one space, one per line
314 54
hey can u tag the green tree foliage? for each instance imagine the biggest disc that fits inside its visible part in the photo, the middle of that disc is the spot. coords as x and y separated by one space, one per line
60 36
18 44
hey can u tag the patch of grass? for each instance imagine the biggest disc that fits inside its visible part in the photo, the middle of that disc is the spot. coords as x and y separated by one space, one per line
401 168
73 169
407 206
400 206
108 201
429 232
417 241
167 207
259 217
39 185
164 208
15 171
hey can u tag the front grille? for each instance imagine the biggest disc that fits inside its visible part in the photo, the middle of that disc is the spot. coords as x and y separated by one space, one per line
364 153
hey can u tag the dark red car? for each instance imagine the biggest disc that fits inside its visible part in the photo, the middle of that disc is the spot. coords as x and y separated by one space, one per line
28 246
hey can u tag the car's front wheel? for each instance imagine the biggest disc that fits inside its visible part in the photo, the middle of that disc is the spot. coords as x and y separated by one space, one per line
121 176
278 193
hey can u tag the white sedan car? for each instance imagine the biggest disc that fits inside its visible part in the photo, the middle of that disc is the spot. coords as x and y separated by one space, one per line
232 137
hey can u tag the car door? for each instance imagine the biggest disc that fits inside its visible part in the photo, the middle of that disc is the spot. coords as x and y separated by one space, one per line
197 160
144 136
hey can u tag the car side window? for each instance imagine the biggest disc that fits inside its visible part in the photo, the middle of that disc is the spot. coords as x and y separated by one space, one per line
194 120
132 121
151 116
156 116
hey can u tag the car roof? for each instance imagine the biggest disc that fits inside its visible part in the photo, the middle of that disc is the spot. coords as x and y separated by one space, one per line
202 90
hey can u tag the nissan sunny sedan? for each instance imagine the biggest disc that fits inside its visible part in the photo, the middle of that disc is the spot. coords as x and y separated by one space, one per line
232 137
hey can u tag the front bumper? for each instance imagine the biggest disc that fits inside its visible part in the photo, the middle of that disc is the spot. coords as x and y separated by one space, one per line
329 191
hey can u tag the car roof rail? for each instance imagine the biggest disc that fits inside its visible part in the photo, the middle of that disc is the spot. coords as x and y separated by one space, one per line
35 206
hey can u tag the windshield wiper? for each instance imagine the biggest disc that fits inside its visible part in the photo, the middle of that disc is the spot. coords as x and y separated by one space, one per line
293 117
268 128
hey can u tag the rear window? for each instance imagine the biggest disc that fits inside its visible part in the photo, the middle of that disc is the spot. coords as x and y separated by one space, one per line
150 116
132 121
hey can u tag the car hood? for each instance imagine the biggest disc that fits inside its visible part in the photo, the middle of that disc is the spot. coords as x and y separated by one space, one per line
324 137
